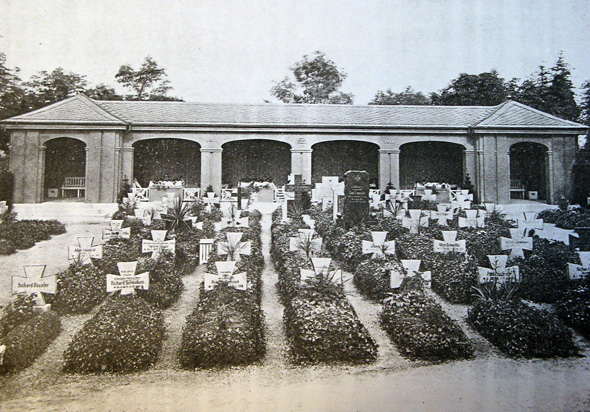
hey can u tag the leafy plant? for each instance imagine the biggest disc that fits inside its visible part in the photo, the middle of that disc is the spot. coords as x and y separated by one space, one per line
177 215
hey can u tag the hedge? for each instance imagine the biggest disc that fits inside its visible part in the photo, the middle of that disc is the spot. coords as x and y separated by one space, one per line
574 309
23 234
79 289
125 335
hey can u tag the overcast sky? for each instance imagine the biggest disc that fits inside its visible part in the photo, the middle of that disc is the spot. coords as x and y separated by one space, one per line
231 51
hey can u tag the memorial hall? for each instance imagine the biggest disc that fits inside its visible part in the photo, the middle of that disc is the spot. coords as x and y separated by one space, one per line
85 149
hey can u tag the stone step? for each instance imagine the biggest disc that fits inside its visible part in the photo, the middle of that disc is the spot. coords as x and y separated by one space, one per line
66 212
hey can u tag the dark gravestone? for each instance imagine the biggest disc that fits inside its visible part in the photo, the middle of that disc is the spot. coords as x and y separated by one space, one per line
356 197
300 190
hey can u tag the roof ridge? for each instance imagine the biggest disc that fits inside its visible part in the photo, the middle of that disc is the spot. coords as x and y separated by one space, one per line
96 107
537 111
498 109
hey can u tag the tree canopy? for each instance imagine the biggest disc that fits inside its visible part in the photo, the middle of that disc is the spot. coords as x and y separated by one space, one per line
484 89
407 97
316 80
147 83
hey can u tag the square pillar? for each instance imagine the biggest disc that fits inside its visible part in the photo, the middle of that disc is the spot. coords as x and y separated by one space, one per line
211 168
388 168
127 159
301 164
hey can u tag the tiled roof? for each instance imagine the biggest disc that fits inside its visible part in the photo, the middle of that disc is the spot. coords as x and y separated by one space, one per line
81 109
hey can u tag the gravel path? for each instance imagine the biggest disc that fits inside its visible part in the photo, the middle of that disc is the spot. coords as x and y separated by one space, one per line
175 317
276 341
369 314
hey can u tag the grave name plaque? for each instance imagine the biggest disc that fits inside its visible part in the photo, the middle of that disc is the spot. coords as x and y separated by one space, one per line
356 196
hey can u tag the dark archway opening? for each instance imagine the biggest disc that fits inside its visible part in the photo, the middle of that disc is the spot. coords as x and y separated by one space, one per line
528 171
337 157
423 162
255 160
167 159
65 157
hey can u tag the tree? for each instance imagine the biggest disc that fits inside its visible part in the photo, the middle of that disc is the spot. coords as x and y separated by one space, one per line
317 80
585 105
11 98
45 88
484 89
102 92
407 97
148 82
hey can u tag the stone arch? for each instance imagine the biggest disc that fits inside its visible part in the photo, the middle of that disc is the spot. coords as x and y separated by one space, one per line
432 161
529 170
255 159
167 159
336 157
64 157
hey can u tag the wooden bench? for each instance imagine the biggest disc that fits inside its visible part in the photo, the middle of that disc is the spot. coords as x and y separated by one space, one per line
517 188
73 183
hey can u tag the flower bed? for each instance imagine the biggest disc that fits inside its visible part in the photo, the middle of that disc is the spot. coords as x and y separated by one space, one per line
79 289
421 330
23 234
520 330
574 309
372 277
321 325
25 334
227 326
125 335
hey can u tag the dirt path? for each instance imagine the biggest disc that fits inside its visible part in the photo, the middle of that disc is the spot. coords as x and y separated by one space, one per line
174 319
369 314
276 342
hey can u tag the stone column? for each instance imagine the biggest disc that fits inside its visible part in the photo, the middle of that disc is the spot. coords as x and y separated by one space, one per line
127 159
469 165
41 174
211 168
301 163
550 186
389 168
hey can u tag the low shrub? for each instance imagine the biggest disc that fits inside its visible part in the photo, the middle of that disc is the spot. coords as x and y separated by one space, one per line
27 341
118 250
124 336
165 281
7 247
453 277
23 234
372 277
421 330
79 289
483 242
574 309
19 311
520 330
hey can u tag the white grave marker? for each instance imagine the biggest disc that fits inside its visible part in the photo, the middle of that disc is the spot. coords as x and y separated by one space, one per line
308 221
578 272
225 273
34 283
517 244
412 268
474 219
85 252
442 215
499 273
210 200
415 221
233 248
194 223
127 281
321 267
115 231
158 244
378 247
449 243
529 222
305 242
144 215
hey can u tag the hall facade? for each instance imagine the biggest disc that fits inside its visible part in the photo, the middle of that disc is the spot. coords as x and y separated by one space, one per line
505 151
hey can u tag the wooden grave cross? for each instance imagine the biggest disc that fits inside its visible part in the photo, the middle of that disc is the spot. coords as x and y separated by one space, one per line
412 268
158 244
194 223
450 243
85 252
517 244
115 231
296 189
233 248
210 200
144 215
530 222
35 283
429 196
499 273
578 272
127 281
305 242
415 221
474 219
442 215
378 247
225 273
321 267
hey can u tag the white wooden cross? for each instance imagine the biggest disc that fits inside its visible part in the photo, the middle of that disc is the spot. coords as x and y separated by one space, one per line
144 215
85 252
490 207
577 272
321 267
127 281
461 202
442 215
3 207
115 231
210 200
225 273
191 194
412 267
337 193
35 283
158 244
449 243
194 223
378 247
375 196
499 273
415 221
305 242
474 218
308 221
529 222
429 196
517 244
233 248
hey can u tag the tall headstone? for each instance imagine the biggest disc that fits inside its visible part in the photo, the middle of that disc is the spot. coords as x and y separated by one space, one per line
356 195
298 188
